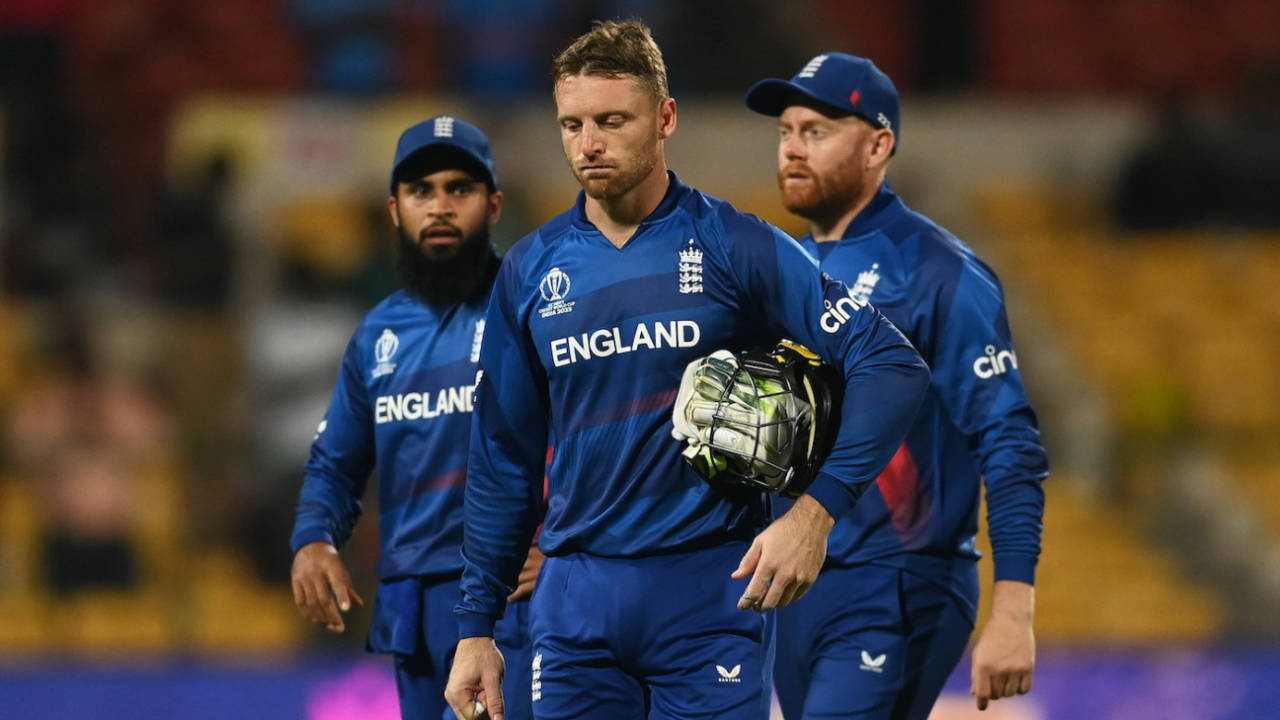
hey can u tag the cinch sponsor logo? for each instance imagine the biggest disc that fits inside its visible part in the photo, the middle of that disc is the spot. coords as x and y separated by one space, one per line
995 363
413 405
839 313
610 341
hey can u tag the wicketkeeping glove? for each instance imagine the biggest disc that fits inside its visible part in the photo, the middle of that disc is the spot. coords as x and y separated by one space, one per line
748 418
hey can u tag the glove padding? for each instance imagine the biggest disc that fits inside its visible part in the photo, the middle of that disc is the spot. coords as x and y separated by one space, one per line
732 420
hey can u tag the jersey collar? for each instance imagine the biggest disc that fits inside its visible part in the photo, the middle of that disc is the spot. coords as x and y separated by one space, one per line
884 205
874 214
676 190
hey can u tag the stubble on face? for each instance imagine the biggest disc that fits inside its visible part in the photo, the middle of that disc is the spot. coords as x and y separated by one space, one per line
627 156
619 180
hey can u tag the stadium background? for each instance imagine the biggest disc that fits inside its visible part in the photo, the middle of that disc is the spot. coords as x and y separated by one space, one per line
192 222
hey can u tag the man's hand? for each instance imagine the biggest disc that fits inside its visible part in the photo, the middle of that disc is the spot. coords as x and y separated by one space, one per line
320 576
785 559
476 677
1005 656
528 574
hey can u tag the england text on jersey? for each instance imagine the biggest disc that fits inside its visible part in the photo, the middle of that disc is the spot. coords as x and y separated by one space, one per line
415 405
610 341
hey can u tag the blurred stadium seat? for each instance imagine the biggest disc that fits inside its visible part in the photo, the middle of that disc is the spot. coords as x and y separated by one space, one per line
1179 329
1102 583
231 612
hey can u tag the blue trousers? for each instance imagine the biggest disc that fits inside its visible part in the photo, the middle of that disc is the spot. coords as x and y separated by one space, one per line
656 637
870 643
414 621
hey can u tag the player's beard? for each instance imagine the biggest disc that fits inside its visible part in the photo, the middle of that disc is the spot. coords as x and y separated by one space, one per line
623 179
822 197
445 278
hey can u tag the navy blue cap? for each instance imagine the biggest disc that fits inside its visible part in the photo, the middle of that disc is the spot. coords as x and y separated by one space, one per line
446 131
842 82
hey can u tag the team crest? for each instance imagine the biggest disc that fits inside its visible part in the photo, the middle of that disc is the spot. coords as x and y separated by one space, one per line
476 340
553 288
811 68
690 272
383 351
866 285
535 679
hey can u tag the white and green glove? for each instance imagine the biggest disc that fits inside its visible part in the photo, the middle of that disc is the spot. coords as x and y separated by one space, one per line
731 419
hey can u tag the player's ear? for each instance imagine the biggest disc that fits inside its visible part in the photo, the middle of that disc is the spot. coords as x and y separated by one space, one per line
393 208
666 118
882 142
495 206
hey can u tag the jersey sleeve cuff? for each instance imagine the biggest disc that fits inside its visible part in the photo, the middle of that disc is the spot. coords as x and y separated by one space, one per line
1021 568
305 536
833 494
472 624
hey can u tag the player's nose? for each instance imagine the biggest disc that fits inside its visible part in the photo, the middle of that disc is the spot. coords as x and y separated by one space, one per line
439 207
592 142
791 147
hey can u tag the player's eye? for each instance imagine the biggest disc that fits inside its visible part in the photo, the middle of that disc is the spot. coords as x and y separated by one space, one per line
570 126
462 188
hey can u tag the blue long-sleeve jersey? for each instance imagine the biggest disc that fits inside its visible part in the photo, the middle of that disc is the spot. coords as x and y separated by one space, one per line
975 421
588 342
403 403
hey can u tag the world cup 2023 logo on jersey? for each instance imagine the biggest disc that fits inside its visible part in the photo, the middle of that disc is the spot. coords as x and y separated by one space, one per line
554 288
554 285
383 350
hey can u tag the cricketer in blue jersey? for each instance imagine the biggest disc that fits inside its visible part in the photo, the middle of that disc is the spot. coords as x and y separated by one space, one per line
892 612
644 607
403 404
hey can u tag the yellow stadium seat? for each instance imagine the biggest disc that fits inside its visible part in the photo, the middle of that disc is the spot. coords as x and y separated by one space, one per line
1101 582
26 625
232 612
109 622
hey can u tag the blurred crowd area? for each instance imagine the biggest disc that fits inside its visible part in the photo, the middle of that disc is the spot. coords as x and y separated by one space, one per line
192 222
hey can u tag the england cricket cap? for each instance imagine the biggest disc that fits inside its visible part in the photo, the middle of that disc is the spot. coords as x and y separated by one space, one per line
839 82
445 132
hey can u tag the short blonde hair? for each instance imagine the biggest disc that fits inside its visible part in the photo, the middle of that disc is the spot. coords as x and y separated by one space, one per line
616 49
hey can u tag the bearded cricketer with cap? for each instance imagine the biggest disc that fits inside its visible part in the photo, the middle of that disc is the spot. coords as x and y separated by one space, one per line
403 404
889 617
